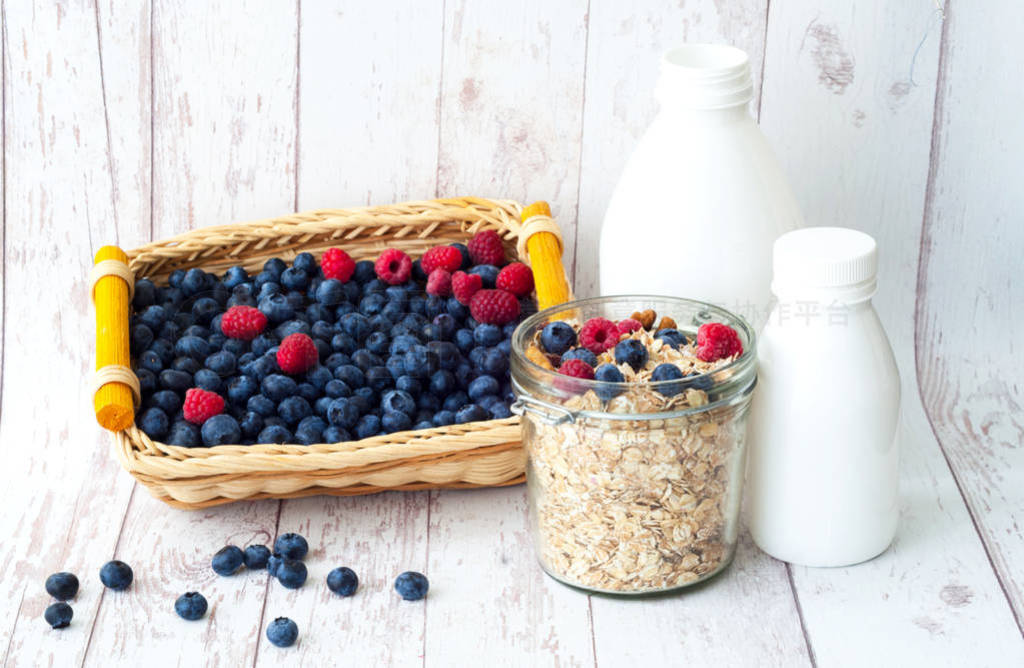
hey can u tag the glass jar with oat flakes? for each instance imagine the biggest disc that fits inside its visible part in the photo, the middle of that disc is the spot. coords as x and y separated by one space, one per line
634 485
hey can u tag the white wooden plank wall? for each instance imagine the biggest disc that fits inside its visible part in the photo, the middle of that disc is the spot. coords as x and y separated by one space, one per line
129 121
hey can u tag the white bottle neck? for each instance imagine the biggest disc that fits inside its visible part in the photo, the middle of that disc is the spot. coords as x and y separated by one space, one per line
705 77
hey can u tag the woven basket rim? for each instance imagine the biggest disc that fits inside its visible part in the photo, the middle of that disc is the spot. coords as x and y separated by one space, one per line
416 223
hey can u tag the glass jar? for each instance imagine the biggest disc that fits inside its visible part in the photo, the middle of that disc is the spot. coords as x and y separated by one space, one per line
637 494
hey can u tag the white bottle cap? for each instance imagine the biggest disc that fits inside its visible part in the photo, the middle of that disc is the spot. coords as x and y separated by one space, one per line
705 76
816 260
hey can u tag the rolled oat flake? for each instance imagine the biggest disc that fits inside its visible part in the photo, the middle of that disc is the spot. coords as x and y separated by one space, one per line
823 468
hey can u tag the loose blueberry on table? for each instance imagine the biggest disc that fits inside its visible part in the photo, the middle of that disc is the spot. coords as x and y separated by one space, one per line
291 546
227 560
342 581
282 632
62 586
313 352
116 575
412 586
58 615
191 606
292 573
256 557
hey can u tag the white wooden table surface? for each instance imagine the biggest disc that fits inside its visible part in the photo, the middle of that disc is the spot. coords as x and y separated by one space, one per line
130 121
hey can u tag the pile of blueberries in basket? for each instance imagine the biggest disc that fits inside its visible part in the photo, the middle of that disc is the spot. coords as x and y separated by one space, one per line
285 563
329 350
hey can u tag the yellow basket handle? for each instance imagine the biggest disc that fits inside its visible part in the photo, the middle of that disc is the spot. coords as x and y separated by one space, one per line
115 386
540 244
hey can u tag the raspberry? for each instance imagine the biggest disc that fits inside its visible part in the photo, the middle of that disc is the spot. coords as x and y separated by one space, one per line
297 353
336 263
393 266
485 248
577 369
243 322
464 286
494 307
439 282
628 325
201 405
517 278
598 335
715 341
441 257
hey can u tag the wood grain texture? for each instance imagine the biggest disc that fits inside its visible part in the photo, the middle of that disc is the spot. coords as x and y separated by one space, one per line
368 103
972 390
856 134
64 493
512 103
626 41
487 584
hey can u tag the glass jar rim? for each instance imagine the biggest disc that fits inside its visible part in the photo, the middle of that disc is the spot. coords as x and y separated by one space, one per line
739 369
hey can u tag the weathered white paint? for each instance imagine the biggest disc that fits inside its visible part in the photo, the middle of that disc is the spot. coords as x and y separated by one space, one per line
253 112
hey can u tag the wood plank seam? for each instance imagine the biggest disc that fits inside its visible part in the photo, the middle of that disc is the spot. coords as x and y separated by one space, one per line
296 103
438 113
800 616
266 590
3 205
764 56
924 256
579 171
426 551
114 193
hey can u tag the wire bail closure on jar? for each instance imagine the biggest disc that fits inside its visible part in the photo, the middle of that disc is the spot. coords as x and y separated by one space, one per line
545 412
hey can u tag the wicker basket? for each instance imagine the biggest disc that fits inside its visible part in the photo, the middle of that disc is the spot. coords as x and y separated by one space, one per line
480 454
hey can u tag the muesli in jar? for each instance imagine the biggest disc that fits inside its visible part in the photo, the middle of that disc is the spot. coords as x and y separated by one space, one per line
635 448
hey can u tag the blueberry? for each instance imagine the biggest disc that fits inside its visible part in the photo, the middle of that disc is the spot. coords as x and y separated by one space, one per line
277 308
290 327
278 387
377 343
321 329
488 272
351 375
396 366
236 347
500 411
372 304
631 352
307 263
166 400
227 560
409 384
471 413
412 586
191 606
62 586
192 346
241 389
581 354
671 337
483 385
293 409
455 401
393 421
699 381
274 562
207 380
274 266
342 581
220 430
443 418
393 311
364 359
355 325
204 309
435 306
664 372
488 335
398 401
336 435
609 373
344 343
293 278
176 278
116 575
282 632
292 573
216 340
447 354
250 424
153 317
379 378
457 310
464 339
505 348
234 277
170 296
402 344
263 343
557 337
291 546
256 556
141 337
165 349
194 282
155 423
147 380
494 362
336 389
273 433
420 362
58 615
443 383
145 294
367 426
343 413
262 405
186 364
184 434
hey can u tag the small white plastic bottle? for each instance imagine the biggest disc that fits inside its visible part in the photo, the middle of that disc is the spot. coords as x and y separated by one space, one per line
702 197
823 460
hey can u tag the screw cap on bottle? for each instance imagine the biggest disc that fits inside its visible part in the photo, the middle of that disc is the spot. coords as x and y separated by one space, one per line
705 76
834 260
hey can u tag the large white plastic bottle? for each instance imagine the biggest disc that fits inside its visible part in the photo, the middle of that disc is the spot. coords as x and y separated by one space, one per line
703 197
822 473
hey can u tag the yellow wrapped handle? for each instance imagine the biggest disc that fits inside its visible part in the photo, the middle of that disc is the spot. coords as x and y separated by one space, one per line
542 242
115 391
